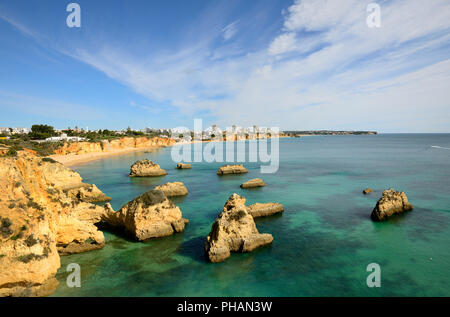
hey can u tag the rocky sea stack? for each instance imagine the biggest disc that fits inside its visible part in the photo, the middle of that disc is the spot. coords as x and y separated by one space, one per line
39 220
183 166
146 168
263 210
256 182
234 231
173 189
232 169
391 203
150 215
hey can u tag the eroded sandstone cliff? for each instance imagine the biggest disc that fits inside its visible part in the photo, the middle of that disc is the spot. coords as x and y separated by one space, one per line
106 146
39 220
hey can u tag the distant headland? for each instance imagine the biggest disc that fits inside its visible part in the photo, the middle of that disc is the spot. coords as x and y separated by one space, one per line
328 132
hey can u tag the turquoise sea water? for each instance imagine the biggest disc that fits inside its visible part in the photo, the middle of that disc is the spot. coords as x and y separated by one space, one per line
322 243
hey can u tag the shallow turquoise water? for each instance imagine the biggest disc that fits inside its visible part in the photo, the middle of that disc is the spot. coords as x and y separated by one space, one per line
322 243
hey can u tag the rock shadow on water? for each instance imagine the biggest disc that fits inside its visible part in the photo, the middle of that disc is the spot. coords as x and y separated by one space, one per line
178 199
269 219
118 232
194 249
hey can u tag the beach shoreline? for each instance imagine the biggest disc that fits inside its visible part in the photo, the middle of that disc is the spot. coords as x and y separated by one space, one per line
71 160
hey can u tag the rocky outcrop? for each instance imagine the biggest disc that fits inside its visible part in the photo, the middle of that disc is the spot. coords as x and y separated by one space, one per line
263 210
391 203
234 231
367 191
232 169
256 182
146 168
39 221
173 189
183 166
87 193
150 215
106 146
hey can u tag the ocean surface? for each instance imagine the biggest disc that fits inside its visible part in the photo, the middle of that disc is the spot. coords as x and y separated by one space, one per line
323 242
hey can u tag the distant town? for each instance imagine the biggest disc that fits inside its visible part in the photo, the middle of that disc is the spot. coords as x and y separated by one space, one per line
45 133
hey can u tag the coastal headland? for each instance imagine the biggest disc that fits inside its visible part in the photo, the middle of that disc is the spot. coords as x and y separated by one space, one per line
76 153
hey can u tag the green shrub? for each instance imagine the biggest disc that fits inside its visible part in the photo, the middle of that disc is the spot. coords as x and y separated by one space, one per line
17 236
49 160
30 241
30 257
11 153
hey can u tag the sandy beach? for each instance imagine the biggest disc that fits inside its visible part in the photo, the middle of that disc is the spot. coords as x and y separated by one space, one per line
70 160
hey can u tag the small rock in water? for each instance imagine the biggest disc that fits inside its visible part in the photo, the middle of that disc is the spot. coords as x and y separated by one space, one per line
173 189
183 166
263 210
391 203
367 191
256 182
145 168
232 169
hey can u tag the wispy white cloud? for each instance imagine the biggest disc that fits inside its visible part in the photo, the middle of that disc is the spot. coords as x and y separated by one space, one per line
325 69
284 43
229 31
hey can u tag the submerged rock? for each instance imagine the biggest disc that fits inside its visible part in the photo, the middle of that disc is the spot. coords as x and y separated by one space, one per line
183 166
262 210
232 169
146 168
150 215
234 231
256 182
367 191
391 203
173 189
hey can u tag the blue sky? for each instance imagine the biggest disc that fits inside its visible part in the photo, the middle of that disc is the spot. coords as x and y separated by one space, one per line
289 64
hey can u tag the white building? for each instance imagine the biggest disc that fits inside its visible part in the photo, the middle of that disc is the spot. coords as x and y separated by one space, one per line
4 130
64 137
21 130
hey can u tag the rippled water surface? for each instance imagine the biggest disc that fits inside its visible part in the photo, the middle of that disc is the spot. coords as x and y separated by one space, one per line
322 243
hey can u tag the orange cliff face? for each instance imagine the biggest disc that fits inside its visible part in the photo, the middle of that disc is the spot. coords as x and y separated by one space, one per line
38 221
108 146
